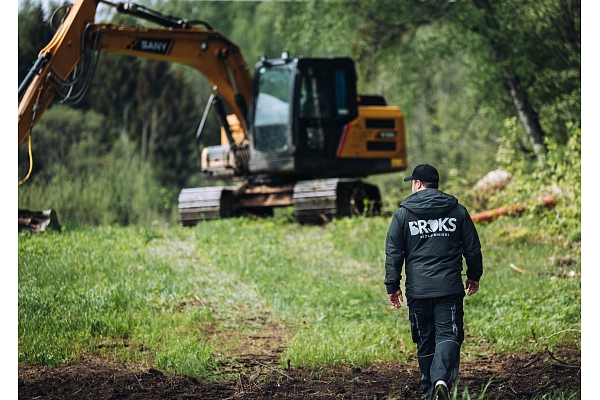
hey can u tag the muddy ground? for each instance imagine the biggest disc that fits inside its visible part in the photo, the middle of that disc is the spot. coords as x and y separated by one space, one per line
517 376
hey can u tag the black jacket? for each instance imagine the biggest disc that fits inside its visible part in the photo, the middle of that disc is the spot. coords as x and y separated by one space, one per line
430 234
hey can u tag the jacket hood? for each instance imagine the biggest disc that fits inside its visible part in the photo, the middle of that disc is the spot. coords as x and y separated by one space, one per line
430 203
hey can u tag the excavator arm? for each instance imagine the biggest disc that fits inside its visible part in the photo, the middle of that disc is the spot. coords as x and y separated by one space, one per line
178 41
54 65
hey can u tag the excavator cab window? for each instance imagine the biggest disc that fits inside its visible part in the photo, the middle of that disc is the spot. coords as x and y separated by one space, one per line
315 107
272 114
302 105
326 103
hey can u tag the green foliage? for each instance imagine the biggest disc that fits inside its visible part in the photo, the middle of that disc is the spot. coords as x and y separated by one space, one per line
320 22
549 73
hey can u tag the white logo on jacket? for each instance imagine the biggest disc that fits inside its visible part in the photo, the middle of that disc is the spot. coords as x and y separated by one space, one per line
422 226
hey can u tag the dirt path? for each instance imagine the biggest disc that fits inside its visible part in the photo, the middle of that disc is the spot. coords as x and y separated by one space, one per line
518 376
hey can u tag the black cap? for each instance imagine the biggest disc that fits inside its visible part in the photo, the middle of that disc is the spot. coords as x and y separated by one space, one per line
424 173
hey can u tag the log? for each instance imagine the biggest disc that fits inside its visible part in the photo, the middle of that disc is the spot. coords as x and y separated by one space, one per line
488 215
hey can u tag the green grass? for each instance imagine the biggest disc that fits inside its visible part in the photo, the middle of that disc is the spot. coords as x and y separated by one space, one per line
161 296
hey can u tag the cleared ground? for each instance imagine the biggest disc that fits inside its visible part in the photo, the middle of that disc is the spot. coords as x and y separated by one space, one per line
515 376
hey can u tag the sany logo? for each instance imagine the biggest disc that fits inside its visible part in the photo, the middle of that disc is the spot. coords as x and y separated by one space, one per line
421 226
161 46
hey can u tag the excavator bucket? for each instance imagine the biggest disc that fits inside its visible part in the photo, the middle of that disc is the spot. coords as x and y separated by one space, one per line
38 221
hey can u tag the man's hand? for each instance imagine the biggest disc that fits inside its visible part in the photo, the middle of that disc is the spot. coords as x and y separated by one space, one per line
396 298
471 286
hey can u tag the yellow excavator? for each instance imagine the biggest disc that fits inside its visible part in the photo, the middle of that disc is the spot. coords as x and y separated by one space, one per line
293 133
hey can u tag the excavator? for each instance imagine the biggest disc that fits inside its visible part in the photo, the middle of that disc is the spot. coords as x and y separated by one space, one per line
295 132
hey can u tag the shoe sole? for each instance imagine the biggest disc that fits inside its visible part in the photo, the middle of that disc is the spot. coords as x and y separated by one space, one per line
441 393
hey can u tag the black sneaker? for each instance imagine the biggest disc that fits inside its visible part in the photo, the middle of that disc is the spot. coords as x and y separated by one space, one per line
440 392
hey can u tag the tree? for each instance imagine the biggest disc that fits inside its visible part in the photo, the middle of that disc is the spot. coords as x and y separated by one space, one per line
514 32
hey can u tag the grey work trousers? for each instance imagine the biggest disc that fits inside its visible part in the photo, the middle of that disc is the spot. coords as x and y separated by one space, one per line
437 328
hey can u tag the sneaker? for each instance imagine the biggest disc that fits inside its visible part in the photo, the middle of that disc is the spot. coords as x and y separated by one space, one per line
441 391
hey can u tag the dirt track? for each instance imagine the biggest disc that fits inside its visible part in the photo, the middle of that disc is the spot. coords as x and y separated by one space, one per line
512 377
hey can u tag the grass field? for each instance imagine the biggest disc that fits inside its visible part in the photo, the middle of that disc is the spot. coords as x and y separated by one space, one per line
182 299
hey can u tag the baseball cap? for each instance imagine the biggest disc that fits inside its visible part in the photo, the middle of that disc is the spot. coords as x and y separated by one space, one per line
424 173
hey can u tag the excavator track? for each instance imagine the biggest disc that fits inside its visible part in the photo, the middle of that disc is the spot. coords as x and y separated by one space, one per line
320 201
314 201
205 203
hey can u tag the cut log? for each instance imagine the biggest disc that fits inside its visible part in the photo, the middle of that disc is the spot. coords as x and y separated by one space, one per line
548 201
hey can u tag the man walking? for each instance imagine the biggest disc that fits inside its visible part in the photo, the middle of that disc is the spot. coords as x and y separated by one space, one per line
430 234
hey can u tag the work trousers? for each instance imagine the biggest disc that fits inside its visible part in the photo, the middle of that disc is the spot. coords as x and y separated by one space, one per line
437 328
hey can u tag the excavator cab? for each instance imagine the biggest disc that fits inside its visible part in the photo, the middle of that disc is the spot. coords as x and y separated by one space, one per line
300 109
